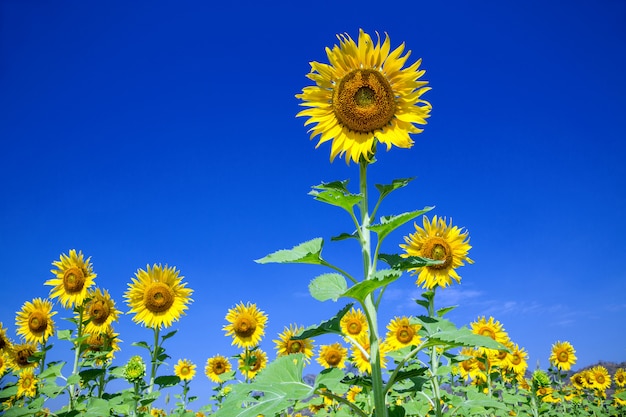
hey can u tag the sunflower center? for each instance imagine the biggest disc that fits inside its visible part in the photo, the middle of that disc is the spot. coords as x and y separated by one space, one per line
158 298
3 342
405 334
516 359
73 280
600 379
22 356
354 327
364 101
438 249
37 322
563 356
185 370
294 346
487 332
244 327
219 368
99 312
333 358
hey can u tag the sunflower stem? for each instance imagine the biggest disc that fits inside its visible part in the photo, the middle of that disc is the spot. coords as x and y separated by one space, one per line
77 341
155 355
434 360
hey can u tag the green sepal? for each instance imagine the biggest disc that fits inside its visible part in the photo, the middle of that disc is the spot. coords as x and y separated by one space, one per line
166 380
398 262
361 290
336 194
328 287
325 327
390 223
386 189
309 252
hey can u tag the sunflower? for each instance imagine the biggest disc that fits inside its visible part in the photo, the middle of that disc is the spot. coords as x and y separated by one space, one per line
352 393
361 354
563 355
354 323
102 345
74 276
517 360
215 367
490 328
4 363
620 377
439 241
252 363
100 311
34 321
5 342
332 356
247 325
578 380
20 354
601 377
185 369
467 368
402 333
157 296
286 344
27 384
363 97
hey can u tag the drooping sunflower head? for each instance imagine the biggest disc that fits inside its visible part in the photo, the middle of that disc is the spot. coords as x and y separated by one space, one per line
34 320
246 325
333 356
100 311
21 356
185 369
364 96
287 345
74 276
252 362
157 296
354 323
439 241
216 368
578 380
401 333
101 346
563 356
27 384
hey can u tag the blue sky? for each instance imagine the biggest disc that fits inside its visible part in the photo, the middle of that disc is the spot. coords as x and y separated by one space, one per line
162 132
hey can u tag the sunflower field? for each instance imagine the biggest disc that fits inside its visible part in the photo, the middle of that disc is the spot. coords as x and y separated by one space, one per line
365 97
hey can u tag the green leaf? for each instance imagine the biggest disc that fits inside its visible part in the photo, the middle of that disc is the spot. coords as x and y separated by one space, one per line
328 287
442 311
52 371
325 327
361 290
64 334
331 379
170 334
344 236
398 262
97 408
390 223
167 380
336 194
305 253
465 337
90 374
141 344
385 189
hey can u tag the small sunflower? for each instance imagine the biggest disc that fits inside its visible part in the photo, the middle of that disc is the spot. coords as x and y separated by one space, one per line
362 360
247 325
364 96
439 241
402 333
5 342
100 311
467 368
563 355
252 363
578 381
185 369
34 321
216 367
333 356
286 345
4 363
27 384
517 360
601 377
102 345
352 393
157 296
354 323
20 355
490 328
620 377
74 276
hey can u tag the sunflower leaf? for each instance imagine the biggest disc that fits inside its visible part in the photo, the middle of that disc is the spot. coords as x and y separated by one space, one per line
361 290
305 253
331 379
336 193
344 236
328 287
464 337
325 327
390 223
385 189
167 380
167 336
398 262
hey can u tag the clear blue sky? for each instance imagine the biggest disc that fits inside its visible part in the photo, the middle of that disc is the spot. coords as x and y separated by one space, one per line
165 132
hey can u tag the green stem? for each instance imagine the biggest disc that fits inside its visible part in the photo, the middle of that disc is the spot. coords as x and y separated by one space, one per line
77 343
155 354
342 400
434 361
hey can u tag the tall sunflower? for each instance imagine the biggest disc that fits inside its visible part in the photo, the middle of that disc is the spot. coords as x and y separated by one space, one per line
287 345
27 384
34 320
354 323
246 325
332 356
401 333
252 363
157 296
100 311
216 367
442 242
185 369
364 96
563 355
74 276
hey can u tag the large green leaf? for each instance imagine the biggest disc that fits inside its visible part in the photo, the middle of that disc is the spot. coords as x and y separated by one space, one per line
309 252
331 379
325 327
336 193
398 262
328 287
361 290
390 223
385 189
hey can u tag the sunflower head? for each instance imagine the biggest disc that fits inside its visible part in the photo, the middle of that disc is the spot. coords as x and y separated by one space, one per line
601 378
100 311
101 346
563 356
27 384
34 320
287 345
5 342
333 356
517 360
73 277
361 353
354 323
21 355
439 241
216 368
401 333
364 96
252 362
157 296
620 377
185 369
246 325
